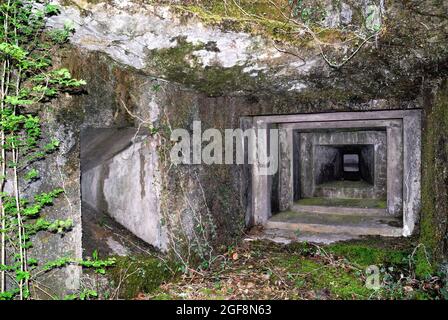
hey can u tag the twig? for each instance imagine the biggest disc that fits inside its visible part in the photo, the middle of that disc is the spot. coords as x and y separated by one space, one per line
320 44
291 53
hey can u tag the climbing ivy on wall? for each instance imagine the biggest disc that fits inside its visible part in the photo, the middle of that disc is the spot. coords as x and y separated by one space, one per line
28 79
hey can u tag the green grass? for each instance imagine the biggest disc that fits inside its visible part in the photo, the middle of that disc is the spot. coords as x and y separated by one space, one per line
311 274
365 255
163 296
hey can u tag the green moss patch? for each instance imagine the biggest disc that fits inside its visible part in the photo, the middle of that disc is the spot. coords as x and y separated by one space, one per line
433 224
345 184
339 282
256 17
423 266
139 274
324 280
180 65
364 255
264 18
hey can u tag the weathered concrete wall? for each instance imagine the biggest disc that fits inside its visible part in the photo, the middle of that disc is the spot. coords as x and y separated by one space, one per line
434 218
59 170
202 54
367 164
127 187
327 164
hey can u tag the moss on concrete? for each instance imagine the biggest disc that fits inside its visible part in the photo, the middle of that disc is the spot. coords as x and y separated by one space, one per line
257 21
179 64
433 224
345 184
139 274
268 19
335 202
330 94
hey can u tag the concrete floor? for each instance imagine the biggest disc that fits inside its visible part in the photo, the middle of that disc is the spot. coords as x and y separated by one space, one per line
335 223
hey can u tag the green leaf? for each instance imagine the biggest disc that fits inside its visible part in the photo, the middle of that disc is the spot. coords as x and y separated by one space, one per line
13 51
95 255
31 175
51 9
71 297
17 101
9 295
22 275
58 263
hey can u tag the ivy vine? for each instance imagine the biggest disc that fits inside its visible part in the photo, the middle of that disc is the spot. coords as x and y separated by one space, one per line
27 77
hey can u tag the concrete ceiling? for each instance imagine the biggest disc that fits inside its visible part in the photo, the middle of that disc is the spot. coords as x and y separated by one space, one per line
100 144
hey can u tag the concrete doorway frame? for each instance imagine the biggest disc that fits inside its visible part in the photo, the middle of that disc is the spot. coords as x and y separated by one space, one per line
403 129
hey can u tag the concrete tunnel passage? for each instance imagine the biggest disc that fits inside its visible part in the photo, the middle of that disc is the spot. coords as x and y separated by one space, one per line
119 191
345 163
296 197
342 164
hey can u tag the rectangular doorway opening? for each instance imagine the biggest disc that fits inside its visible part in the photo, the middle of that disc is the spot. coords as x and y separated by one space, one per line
344 166
355 173
351 163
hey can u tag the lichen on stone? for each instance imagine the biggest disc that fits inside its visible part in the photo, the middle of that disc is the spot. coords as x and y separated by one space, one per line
180 64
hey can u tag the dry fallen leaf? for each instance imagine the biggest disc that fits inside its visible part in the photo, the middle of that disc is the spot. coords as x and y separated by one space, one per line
141 296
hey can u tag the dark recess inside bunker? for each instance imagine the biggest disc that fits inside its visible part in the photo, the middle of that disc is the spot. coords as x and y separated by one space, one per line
344 163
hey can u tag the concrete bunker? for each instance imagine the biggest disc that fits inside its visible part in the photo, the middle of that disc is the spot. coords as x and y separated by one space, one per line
119 191
354 173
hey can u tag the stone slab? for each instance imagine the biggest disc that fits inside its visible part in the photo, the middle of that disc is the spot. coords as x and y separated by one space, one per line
340 210
325 223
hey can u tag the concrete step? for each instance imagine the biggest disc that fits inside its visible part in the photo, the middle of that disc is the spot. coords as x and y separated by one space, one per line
355 225
339 210
288 236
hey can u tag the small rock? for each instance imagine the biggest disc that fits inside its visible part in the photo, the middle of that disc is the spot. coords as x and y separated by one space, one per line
346 14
